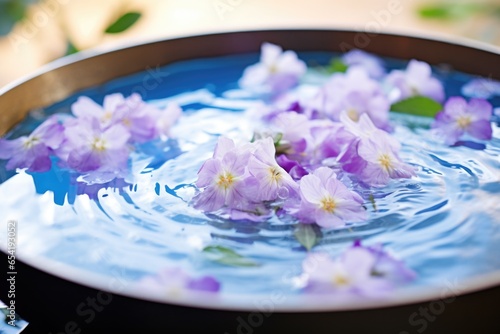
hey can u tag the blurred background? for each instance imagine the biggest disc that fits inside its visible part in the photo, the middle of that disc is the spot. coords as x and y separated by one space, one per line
33 32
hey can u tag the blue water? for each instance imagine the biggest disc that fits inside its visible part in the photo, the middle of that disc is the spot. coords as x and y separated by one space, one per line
444 223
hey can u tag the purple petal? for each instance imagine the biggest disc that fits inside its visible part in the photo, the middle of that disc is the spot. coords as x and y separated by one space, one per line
205 283
480 129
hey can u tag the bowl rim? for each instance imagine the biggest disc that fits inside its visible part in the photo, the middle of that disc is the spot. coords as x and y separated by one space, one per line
243 302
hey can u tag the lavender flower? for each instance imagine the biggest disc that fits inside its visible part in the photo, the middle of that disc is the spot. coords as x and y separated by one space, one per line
460 117
349 274
272 178
33 151
175 282
85 107
382 163
327 201
415 80
373 154
356 94
224 178
89 147
372 64
143 121
367 271
276 72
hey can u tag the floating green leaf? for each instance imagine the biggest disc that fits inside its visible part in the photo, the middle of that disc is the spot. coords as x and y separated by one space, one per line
337 66
123 23
307 235
227 256
417 105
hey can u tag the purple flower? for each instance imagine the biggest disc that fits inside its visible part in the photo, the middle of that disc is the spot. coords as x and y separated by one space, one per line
382 163
387 266
354 93
85 107
224 178
175 282
89 147
481 88
33 151
415 80
349 274
138 117
373 154
276 72
368 271
372 64
327 201
144 121
274 181
459 117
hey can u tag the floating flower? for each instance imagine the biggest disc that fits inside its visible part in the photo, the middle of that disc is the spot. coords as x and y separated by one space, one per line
143 121
382 163
327 201
224 178
175 282
276 72
33 152
372 64
359 270
460 117
416 80
355 93
373 154
274 181
351 273
89 147
85 107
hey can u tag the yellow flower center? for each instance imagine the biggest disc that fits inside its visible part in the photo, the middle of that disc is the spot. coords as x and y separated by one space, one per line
225 180
328 204
99 144
353 114
275 174
31 142
340 280
464 121
107 116
127 122
385 161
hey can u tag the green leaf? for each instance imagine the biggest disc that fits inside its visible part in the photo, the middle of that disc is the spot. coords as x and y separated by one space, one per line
307 235
123 23
417 105
337 66
227 256
454 11
71 48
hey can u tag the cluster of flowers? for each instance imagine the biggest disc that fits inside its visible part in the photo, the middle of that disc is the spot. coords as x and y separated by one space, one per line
359 270
97 140
317 134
